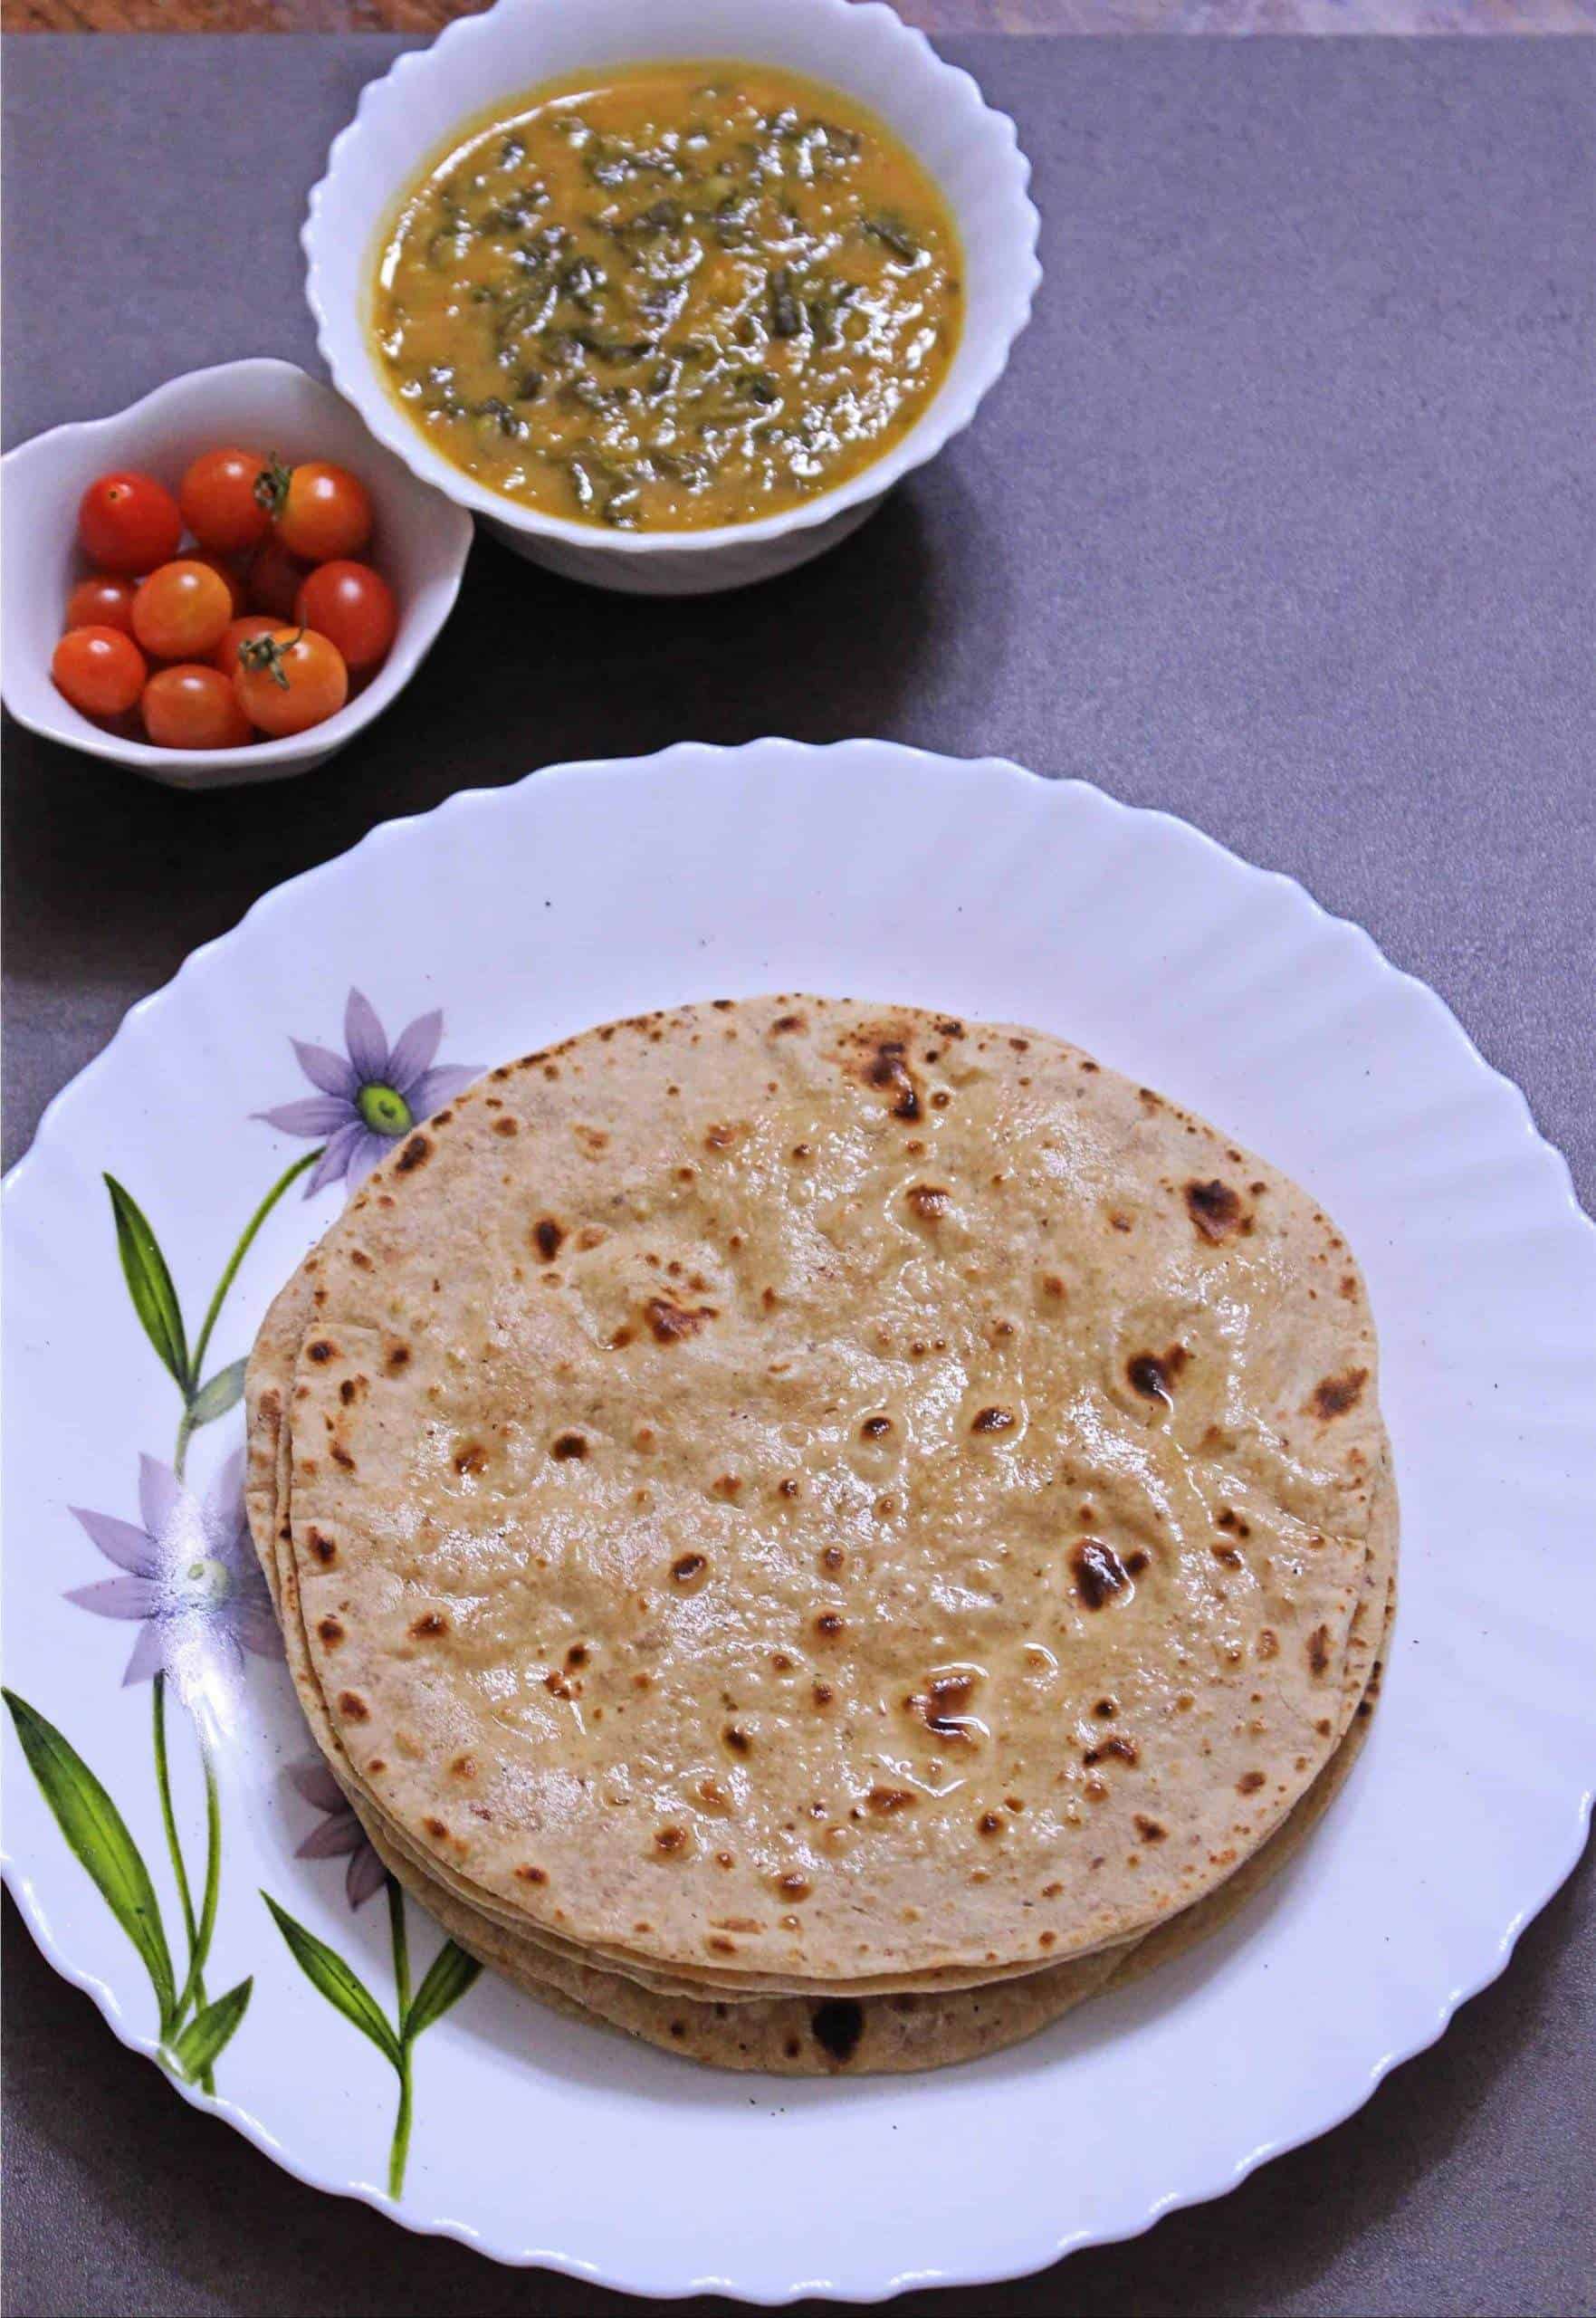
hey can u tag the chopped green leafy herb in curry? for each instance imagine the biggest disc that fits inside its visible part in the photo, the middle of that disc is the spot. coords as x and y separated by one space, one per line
691 294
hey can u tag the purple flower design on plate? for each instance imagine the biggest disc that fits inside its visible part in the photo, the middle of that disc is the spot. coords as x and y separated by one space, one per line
339 1831
190 1582
370 1096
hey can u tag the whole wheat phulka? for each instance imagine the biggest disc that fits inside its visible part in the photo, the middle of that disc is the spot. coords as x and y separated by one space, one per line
951 2029
831 2036
994 1387
782 2035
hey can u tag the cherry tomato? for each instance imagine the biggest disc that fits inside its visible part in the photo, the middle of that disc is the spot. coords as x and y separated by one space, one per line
194 707
290 680
217 497
275 578
226 570
103 601
128 522
182 610
354 607
101 670
318 511
237 632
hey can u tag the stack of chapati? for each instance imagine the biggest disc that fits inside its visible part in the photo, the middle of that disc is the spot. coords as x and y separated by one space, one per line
822 1534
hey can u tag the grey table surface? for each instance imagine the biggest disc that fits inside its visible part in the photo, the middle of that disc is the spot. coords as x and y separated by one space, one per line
1282 520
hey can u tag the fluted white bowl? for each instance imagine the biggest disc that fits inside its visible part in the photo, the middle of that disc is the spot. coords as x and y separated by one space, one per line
420 542
970 150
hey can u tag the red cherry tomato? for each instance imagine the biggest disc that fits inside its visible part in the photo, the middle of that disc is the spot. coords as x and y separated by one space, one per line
354 607
101 670
103 601
128 522
192 706
290 680
218 501
318 510
182 610
275 578
237 632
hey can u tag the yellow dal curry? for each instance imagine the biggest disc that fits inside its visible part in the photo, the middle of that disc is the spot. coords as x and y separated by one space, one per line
690 294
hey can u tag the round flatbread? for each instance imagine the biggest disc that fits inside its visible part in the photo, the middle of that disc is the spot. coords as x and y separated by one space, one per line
832 1495
788 2036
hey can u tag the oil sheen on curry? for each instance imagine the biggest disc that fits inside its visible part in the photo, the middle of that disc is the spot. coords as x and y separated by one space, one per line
686 295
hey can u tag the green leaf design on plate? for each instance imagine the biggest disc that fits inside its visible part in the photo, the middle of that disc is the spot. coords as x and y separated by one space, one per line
331 1977
98 1833
449 1974
198 2046
149 1283
224 1391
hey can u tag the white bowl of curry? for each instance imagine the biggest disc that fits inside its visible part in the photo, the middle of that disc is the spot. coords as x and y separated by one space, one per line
671 293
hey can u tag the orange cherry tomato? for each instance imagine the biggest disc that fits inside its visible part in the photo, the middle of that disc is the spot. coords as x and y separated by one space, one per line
318 511
226 570
217 497
353 605
103 601
182 610
192 706
237 632
100 671
128 522
275 578
290 680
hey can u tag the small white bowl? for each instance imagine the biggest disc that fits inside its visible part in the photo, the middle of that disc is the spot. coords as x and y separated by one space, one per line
419 541
403 120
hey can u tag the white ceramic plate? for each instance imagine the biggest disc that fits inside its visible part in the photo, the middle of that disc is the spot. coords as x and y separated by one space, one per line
600 890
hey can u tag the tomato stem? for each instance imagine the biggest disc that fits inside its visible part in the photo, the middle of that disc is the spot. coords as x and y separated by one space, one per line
271 485
266 654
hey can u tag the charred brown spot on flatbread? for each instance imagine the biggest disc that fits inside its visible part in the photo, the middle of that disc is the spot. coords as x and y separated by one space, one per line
886 1066
928 1200
943 1707
1100 1574
1333 1396
993 1419
1154 1374
884 1800
1217 1209
669 1322
837 2027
